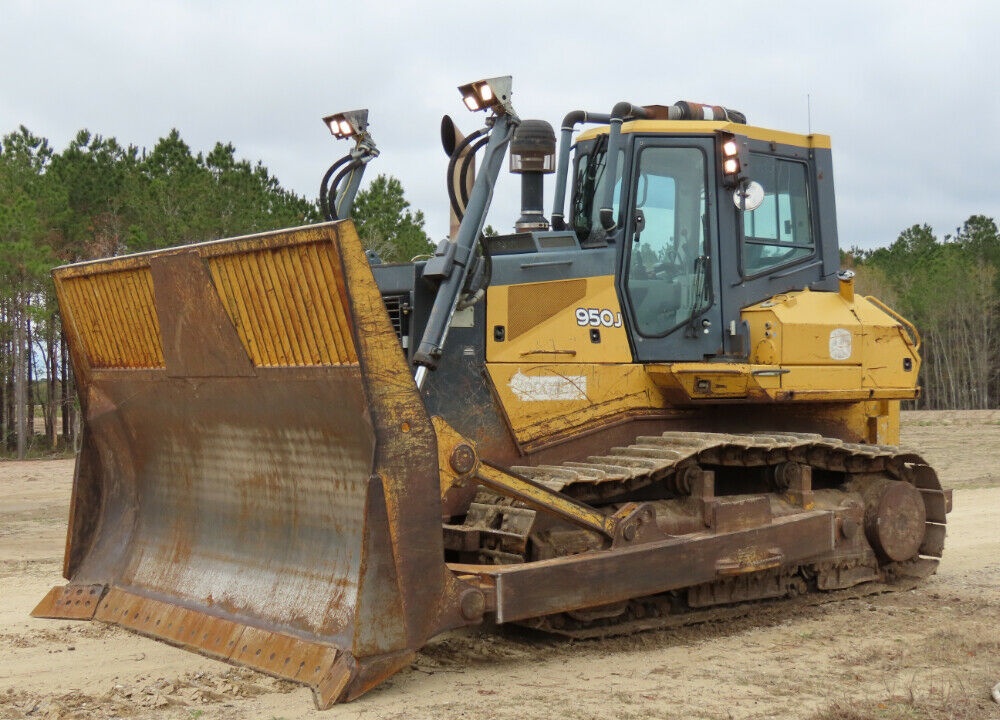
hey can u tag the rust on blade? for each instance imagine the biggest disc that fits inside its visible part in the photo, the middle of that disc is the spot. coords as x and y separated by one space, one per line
199 340
258 480
312 663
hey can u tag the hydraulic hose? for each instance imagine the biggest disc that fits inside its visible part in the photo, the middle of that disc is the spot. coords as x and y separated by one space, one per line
347 171
456 206
464 171
449 291
324 200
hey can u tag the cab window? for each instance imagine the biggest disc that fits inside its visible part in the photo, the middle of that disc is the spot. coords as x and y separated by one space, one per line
666 280
779 232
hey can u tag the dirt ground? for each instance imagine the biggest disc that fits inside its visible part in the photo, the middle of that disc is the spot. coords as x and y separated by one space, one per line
933 652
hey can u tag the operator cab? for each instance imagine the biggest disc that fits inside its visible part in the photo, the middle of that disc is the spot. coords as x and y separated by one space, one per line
708 217
689 212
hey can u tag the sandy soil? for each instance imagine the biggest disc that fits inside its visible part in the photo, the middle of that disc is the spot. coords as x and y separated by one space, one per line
933 652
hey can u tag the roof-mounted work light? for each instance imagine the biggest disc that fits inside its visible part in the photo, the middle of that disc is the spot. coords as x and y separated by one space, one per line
347 124
493 93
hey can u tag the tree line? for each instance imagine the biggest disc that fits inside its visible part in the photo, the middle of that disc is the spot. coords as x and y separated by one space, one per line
97 198
949 288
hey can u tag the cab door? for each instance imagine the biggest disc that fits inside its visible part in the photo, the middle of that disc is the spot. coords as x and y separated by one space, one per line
668 280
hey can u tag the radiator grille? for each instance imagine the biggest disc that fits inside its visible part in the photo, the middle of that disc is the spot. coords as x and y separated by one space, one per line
398 307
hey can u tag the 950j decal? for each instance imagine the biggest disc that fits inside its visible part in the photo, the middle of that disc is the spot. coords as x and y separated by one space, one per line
598 317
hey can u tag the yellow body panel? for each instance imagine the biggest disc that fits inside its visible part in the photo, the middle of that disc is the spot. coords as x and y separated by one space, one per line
805 347
545 401
831 344
542 325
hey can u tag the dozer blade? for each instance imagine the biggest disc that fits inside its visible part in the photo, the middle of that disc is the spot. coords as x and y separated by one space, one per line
258 478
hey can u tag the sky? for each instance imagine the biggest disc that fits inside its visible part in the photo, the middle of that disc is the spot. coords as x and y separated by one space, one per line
907 90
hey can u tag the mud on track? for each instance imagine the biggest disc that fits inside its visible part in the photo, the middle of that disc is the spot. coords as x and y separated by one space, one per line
933 652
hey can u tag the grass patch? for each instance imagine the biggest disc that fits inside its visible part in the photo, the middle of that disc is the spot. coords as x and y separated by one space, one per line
957 646
40 449
944 706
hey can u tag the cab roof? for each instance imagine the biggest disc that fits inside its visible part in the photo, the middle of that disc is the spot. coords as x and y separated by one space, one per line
710 127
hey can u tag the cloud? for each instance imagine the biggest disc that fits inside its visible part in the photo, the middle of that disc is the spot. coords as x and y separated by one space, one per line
906 93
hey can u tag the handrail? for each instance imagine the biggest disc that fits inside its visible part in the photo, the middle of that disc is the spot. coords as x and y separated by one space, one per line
914 335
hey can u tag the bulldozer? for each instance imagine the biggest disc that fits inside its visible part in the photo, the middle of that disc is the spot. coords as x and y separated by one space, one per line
663 399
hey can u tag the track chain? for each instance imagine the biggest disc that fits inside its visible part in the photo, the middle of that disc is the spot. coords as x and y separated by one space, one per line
659 457
663 458
900 578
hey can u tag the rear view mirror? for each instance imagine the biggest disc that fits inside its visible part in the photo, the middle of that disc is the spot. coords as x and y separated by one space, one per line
748 196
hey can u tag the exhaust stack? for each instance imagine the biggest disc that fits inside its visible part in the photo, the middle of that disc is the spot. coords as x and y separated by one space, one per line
532 155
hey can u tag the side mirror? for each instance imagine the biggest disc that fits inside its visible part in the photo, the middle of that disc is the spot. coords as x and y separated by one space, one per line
748 196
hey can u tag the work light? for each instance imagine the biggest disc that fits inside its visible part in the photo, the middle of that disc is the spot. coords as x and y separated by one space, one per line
346 124
487 94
